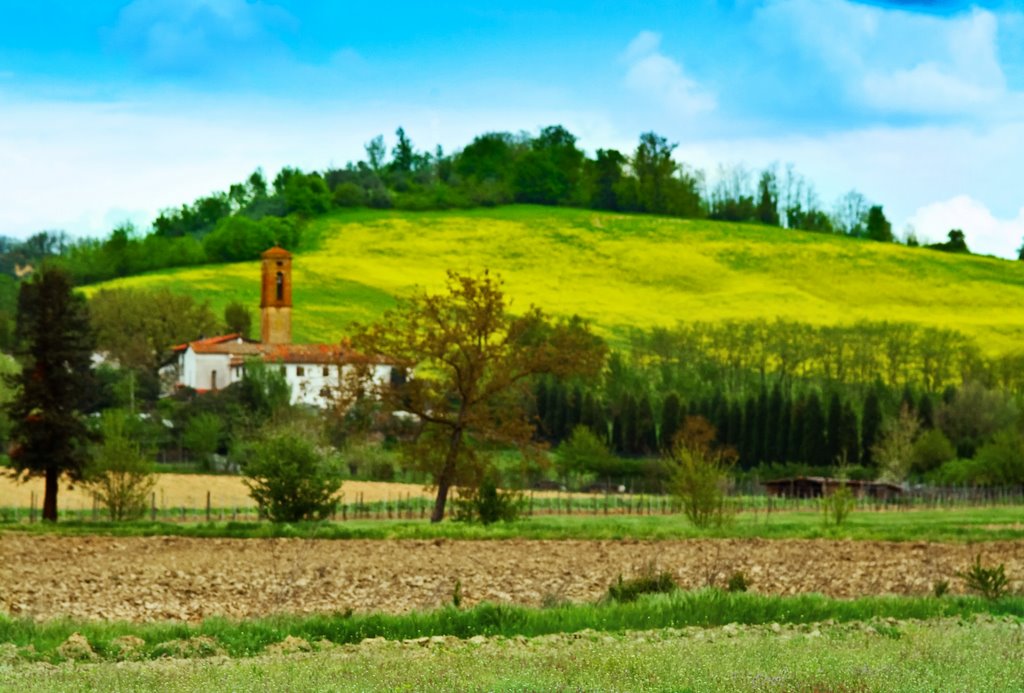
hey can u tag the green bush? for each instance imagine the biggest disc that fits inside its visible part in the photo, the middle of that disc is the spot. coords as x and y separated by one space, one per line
290 480
991 583
119 477
487 503
648 582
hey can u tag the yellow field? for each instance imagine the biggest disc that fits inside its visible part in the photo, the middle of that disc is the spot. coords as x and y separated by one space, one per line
624 271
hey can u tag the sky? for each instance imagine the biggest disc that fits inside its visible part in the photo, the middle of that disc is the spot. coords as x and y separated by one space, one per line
111 111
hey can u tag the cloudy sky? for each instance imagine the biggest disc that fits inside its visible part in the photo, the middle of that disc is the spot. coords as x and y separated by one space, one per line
110 111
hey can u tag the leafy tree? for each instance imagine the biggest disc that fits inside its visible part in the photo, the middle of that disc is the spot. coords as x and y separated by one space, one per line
701 473
654 168
55 347
136 327
956 243
932 449
264 392
238 319
375 153
119 476
878 227
605 175
582 452
403 154
767 211
204 436
289 479
474 363
974 415
894 452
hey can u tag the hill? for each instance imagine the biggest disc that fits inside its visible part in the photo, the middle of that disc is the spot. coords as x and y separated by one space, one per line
623 271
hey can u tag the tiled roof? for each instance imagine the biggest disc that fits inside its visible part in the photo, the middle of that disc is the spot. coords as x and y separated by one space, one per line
283 353
202 342
276 251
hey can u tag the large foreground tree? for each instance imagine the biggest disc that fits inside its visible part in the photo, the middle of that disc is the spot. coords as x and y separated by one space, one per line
55 345
473 363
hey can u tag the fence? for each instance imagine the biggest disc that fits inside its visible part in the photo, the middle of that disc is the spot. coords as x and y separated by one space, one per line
411 507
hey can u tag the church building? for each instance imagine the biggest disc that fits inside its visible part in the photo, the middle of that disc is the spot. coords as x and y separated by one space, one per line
311 370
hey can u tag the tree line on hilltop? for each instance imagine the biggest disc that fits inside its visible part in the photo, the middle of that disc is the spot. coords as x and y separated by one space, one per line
495 168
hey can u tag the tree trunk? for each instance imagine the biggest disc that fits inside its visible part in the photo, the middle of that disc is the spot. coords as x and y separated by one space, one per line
444 481
50 495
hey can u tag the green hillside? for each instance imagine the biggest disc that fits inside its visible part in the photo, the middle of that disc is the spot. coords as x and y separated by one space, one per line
623 271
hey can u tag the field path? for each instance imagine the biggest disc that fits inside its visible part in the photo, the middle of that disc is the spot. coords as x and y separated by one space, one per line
157 578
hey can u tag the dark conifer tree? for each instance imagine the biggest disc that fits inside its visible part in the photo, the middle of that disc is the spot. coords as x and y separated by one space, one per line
761 426
796 433
574 415
671 417
834 426
775 443
926 411
870 425
735 425
55 345
647 432
850 436
815 445
618 437
630 426
748 445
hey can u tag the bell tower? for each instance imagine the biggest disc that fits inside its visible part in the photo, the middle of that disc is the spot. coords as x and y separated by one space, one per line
276 297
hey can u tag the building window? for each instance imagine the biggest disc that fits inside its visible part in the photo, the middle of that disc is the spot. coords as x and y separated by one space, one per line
327 371
280 286
300 371
284 370
213 380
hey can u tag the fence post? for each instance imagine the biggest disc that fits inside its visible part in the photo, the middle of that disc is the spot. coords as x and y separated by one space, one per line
32 509
207 506
152 507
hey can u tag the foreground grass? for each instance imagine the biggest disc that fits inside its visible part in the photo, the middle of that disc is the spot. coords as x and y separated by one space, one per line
704 608
961 524
982 655
624 271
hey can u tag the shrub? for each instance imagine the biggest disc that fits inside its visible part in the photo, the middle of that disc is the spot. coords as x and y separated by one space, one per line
119 477
738 582
701 475
289 479
991 583
838 505
487 503
648 582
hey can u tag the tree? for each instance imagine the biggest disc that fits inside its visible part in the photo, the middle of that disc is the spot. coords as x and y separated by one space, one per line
767 211
582 452
473 363
56 344
289 479
238 319
894 452
870 424
878 227
671 418
119 476
701 472
654 167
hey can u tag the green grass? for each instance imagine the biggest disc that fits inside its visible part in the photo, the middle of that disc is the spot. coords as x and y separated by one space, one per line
960 524
934 656
624 271
704 608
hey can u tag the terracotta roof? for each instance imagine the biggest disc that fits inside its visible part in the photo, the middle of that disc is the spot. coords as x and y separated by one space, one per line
276 251
284 353
220 339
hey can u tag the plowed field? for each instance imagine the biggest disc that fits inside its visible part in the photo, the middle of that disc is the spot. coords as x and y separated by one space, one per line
160 578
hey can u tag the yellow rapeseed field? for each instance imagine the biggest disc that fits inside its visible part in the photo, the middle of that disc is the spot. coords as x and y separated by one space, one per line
624 271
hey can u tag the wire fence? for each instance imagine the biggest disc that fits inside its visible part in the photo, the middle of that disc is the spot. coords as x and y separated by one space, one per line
410 507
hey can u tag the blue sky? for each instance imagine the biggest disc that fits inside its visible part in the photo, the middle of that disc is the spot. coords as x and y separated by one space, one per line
113 110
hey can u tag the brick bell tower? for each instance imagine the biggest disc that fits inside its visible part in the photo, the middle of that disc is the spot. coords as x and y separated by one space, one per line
276 297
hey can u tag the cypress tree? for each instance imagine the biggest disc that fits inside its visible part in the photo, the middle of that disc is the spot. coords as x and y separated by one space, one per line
796 433
574 415
774 444
850 437
815 445
926 411
630 426
670 419
617 435
541 403
735 425
870 424
834 435
748 449
785 421
761 426
647 433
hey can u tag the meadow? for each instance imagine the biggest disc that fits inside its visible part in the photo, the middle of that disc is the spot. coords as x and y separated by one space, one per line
622 272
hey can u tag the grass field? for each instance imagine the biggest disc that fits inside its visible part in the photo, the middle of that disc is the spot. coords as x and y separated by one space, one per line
950 524
623 271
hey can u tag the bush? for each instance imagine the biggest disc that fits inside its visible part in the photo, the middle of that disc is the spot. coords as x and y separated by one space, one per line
991 583
290 480
487 503
648 582
701 475
931 450
838 505
119 477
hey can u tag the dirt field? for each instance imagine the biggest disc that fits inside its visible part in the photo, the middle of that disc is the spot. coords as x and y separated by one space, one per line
178 578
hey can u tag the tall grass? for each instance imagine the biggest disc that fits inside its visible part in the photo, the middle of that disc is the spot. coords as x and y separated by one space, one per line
676 610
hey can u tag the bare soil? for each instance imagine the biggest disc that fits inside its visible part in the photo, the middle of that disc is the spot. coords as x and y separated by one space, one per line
158 578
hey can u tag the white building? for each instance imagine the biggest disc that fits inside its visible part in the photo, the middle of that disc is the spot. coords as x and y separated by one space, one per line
312 371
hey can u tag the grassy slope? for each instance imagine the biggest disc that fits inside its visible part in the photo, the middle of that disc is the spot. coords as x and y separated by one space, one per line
626 271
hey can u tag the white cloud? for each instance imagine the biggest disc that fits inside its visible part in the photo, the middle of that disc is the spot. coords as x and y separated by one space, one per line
984 232
895 61
661 79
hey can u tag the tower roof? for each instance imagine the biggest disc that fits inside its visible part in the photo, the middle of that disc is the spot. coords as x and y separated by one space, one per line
276 251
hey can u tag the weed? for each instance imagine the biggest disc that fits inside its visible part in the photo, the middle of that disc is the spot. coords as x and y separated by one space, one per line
738 582
991 583
838 505
457 594
940 588
648 582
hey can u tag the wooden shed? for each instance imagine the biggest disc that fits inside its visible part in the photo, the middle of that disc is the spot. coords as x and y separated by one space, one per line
817 486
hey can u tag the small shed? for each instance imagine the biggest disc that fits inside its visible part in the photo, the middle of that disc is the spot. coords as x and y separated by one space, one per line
818 486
